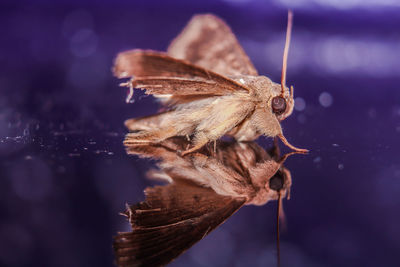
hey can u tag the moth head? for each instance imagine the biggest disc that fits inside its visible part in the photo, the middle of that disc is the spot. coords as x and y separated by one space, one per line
280 182
282 104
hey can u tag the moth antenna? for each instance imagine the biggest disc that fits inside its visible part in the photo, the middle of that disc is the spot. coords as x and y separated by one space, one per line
286 50
282 215
291 91
278 215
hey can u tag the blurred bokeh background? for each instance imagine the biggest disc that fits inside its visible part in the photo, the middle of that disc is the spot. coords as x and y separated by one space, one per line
64 174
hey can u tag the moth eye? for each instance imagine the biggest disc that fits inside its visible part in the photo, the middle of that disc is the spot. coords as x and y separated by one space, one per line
276 182
278 105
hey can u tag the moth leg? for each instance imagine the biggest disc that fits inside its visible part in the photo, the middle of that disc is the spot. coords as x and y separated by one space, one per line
201 139
286 142
275 150
205 136
226 114
196 147
187 146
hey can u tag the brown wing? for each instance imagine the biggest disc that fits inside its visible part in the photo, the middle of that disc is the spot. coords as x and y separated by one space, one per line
171 220
162 74
208 42
174 86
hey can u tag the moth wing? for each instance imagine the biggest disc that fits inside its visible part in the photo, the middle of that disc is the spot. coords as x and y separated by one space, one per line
146 123
207 41
180 86
171 219
166 150
163 74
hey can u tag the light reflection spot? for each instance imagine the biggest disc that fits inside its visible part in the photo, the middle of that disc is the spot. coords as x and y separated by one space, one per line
299 104
325 99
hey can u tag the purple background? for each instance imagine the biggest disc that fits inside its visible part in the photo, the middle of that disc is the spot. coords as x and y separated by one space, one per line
65 175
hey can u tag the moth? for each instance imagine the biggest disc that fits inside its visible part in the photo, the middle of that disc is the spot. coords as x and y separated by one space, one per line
209 86
203 190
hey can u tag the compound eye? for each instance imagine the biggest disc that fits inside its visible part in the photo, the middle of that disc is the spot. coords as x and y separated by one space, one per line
277 181
278 105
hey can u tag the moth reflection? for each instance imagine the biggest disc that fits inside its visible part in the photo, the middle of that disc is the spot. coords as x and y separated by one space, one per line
203 189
